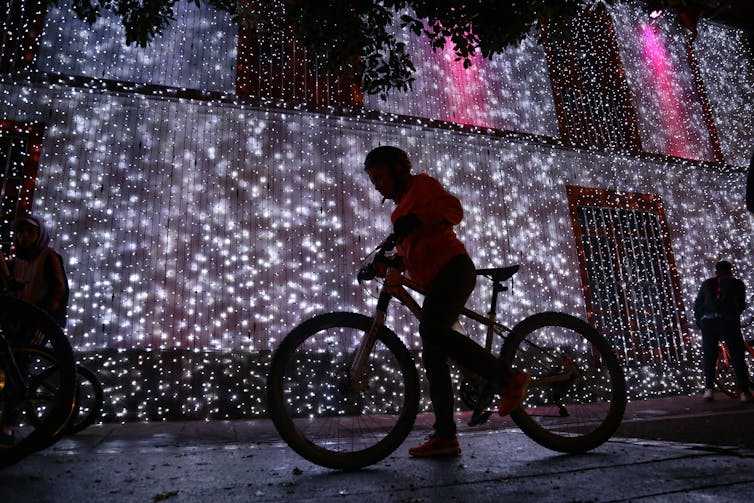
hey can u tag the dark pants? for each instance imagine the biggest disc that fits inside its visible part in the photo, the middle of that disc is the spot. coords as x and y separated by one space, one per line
728 331
444 301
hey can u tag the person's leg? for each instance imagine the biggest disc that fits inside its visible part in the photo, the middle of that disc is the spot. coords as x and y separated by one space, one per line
710 351
443 303
734 341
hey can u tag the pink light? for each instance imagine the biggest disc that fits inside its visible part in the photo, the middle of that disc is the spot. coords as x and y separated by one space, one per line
465 88
655 14
666 91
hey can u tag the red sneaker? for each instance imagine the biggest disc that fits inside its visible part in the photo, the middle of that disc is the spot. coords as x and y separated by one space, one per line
435 446
514 391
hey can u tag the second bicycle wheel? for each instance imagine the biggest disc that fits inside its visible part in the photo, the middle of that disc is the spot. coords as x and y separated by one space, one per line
44 380
89 400
577 395
321 412
725 374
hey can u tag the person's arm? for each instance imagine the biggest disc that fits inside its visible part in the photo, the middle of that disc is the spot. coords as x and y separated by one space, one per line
55 275
740 297
699 305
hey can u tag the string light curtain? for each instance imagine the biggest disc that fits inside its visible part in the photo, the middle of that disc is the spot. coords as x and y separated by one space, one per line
729 84
631 283
200 227
511 91
659 73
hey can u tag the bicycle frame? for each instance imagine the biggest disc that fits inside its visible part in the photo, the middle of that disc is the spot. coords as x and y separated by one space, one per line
397 286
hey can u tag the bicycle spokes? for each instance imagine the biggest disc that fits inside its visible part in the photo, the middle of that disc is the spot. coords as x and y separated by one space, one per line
324 414
577 393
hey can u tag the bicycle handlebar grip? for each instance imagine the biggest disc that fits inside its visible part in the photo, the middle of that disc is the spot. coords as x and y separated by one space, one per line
390 242
367 273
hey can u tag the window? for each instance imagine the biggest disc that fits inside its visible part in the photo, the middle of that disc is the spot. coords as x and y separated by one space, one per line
273 65
20 145
591 94
630 280
22 22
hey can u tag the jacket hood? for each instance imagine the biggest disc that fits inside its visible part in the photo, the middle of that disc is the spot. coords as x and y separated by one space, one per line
42 241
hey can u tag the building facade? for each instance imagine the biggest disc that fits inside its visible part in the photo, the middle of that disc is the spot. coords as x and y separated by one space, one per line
208 194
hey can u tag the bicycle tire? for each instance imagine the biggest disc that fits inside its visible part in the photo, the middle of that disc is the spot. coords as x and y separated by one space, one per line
316 410
725 375
89 398
43 383
578 414
19 322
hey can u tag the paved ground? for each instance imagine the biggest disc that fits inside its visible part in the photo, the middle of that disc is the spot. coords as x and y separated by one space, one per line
673 449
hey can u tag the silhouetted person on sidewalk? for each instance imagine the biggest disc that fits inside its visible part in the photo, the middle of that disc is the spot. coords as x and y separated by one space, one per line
717 311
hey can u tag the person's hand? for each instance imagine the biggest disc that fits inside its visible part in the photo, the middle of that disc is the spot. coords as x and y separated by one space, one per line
406 224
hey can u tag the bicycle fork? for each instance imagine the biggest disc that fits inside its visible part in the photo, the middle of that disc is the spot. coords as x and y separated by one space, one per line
365 347
363 350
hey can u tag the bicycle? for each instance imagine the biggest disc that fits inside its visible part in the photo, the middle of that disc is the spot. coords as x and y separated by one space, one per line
343 390
725 378
37 378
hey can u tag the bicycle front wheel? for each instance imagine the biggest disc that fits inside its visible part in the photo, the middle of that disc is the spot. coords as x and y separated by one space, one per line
577 395
320 411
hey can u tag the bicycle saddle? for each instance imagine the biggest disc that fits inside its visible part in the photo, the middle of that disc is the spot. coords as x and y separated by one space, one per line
499 274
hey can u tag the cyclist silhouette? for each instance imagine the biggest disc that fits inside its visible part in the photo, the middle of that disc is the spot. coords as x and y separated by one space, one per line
433 256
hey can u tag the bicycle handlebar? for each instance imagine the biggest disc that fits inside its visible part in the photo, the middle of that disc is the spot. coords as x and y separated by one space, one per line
389 243
370 271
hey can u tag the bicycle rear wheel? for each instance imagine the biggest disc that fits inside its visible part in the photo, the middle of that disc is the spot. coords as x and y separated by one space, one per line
577 396
38 377
317 408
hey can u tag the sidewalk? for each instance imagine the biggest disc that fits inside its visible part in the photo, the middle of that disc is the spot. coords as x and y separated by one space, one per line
655 457
693 420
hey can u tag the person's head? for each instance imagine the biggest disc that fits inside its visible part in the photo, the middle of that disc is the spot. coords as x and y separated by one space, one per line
724 268
30 235
389 169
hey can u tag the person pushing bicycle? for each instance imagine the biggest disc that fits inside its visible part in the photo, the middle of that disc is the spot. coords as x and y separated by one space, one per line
433 256
717 311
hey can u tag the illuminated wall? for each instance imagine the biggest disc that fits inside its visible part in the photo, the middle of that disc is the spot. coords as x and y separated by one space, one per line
198 232
671 119
511 91
197 51
730 87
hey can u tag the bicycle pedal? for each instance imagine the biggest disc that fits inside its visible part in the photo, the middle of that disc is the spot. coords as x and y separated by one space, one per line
478 418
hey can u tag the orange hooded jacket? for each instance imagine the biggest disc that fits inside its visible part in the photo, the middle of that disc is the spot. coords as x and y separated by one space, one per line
429 247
